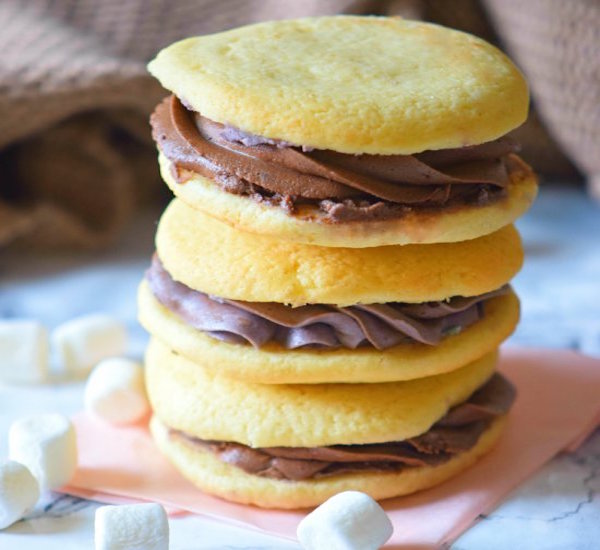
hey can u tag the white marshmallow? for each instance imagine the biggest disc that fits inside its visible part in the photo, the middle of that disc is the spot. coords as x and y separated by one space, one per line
347 521
115 391
46 444
84 341
23 351
19 491
132 527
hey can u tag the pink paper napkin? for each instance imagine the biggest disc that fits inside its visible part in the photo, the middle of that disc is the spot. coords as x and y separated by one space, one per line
558 404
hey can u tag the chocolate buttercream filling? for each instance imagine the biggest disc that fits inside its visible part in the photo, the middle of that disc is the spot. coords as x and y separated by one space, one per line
456 432
316 326
345 187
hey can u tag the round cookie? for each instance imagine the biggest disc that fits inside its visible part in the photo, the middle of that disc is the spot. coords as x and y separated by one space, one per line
352 84
210 256
274 364
219 478
198 402
447 224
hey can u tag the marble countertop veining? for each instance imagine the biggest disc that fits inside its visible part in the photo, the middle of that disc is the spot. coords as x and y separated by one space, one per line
558 508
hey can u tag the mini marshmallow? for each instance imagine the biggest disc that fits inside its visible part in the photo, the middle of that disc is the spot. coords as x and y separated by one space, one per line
115 391
132 527
347 521
84 341
46 444
19 491
23 351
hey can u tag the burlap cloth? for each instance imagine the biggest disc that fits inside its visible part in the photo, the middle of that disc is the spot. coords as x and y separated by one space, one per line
76 157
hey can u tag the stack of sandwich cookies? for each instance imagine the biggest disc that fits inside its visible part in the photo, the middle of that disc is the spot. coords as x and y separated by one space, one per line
331 286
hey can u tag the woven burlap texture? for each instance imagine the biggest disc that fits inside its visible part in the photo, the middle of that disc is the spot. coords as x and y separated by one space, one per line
557 44
75 151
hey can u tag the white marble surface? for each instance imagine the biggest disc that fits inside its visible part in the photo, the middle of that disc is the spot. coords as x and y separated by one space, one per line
558 508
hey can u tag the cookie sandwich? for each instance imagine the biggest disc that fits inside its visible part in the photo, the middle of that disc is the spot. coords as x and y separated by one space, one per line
266 310
345 131
294 446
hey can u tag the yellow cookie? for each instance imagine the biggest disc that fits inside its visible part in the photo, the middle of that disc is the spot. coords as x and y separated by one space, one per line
203 404
274 364
210 256
448 224
216 477
352 84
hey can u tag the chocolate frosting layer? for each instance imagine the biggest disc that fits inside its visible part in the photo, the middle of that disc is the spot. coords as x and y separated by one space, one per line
342 185
456 432
316 326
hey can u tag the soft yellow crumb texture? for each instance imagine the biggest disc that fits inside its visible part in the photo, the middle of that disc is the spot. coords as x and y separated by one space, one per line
199 402
210 256
352 84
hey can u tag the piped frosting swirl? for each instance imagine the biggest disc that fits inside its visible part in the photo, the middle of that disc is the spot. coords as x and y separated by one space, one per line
341 185
316 326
